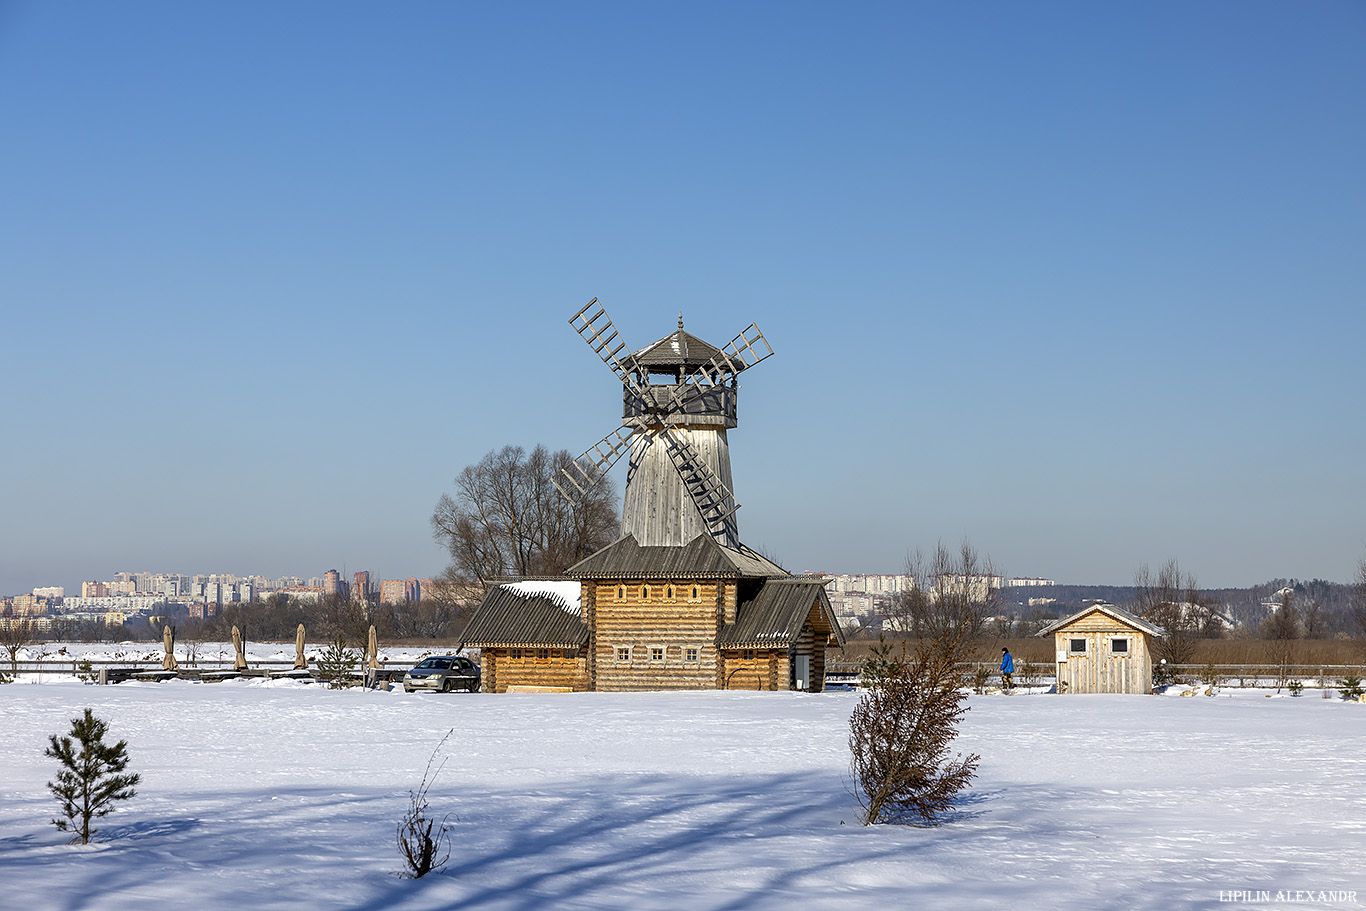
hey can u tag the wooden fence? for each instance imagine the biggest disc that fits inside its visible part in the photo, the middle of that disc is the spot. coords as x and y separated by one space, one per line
1310 676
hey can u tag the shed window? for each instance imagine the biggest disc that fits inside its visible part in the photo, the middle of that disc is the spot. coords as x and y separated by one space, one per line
1119 646
623 654
1078 646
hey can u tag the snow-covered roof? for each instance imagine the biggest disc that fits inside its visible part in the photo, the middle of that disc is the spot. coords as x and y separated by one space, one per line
563 591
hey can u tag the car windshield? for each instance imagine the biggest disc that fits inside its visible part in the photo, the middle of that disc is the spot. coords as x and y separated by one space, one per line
435 663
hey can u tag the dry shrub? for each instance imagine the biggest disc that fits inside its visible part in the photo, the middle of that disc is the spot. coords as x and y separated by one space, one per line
424 840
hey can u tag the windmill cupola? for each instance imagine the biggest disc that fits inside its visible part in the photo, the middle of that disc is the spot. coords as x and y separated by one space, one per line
681 381
678 402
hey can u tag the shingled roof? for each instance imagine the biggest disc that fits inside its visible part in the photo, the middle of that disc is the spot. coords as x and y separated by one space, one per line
774 619
507 617
681 349
700 558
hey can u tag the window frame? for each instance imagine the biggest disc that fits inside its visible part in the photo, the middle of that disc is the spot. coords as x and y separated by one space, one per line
1072 646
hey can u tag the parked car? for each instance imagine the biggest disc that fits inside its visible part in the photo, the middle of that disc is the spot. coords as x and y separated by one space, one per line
443 674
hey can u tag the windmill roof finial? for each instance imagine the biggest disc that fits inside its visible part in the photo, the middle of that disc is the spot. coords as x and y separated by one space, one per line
680 319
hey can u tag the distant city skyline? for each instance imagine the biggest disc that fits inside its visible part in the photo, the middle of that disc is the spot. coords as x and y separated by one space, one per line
1080 282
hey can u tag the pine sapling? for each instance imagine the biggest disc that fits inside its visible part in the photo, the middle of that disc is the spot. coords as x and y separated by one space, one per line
91 780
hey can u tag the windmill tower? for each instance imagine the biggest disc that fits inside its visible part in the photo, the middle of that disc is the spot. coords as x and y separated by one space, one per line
679 399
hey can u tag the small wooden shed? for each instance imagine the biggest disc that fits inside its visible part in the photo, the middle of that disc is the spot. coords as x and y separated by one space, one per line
1102 649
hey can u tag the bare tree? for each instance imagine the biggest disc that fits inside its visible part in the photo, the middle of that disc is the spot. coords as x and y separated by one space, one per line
1175 603
507 519
951 593
1359 597
14 635
1283 628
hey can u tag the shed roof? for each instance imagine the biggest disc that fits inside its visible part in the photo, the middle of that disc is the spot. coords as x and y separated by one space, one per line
777 614
508 617
1115 613
700 558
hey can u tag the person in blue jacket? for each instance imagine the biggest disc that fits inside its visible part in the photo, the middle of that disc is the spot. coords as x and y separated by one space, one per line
1007 669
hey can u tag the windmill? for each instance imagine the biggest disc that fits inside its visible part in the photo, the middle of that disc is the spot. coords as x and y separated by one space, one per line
679 398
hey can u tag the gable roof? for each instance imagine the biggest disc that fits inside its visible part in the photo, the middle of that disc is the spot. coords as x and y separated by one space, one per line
777 614
1111 611
508 617
700 558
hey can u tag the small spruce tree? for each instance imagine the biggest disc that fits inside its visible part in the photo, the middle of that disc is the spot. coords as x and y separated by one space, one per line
91 780
1351 687
901 732
337 662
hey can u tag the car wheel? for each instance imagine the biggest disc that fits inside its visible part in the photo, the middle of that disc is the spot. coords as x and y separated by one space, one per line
447 686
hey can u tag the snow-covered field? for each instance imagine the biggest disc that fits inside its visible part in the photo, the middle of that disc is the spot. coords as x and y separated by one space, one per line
278 794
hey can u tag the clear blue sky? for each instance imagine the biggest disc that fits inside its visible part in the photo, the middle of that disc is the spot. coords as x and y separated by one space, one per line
1084 281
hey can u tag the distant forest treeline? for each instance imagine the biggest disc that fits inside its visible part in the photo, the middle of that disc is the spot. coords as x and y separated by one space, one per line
278 621
1325 608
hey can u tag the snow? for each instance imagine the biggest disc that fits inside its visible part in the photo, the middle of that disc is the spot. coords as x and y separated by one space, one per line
279 794
567 593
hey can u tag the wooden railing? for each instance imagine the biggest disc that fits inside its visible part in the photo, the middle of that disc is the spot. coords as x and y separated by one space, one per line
1310 676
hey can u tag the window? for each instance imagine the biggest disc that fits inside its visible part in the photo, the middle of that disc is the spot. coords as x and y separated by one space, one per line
645 593
623 654
515 653
695 594
1119 646
669 593
621 593
747 655
543 653
1078 646
689 654
571 653
657 653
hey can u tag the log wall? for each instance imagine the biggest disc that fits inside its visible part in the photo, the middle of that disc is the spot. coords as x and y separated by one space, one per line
754 669
505 667
667 628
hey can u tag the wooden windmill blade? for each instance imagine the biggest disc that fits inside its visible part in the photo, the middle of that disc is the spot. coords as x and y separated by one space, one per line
746 349
713 498
597 330
585 472
740 353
